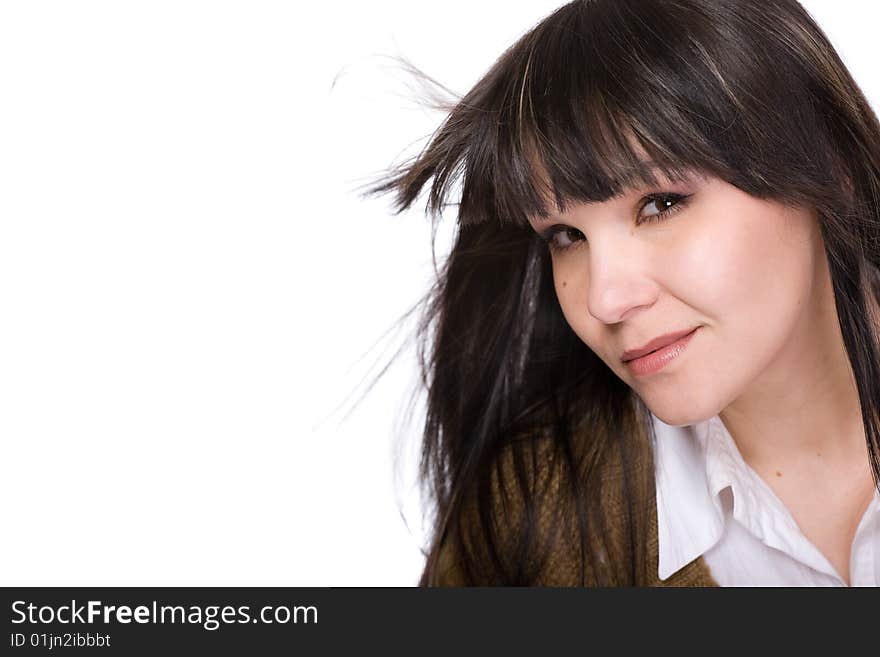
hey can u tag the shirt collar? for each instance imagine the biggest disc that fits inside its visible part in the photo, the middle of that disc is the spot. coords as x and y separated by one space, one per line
690 516
756 507
693 464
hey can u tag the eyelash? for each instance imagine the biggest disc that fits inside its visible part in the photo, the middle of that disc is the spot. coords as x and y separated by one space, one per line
678 200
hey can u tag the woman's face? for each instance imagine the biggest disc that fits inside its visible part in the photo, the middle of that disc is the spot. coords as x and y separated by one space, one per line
750 275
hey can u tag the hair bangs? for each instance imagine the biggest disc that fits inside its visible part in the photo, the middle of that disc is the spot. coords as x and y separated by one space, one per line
577 120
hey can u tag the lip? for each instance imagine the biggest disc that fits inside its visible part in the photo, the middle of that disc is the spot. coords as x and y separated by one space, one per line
654 344
658 359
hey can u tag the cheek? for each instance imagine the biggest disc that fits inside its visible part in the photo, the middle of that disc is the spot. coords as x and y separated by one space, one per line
571 281
565 297
752 267
722 267
565 280
758 272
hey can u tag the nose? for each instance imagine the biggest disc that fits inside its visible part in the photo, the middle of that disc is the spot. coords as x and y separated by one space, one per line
618 285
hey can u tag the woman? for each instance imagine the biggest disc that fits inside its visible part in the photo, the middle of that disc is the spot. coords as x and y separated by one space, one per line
699 179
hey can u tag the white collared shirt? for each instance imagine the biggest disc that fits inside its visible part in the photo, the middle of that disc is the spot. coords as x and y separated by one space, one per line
710 502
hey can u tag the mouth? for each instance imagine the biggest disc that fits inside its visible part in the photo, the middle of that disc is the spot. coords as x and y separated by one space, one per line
655 344
657 358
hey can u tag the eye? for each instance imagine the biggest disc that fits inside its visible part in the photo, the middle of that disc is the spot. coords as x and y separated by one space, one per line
666 204
562 238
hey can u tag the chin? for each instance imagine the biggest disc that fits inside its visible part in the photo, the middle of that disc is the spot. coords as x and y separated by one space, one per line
681 413
678 420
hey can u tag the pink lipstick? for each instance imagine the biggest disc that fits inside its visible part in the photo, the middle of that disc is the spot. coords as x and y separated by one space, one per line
657 360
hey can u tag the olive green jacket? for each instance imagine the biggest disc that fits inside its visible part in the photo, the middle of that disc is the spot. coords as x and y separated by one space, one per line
563 567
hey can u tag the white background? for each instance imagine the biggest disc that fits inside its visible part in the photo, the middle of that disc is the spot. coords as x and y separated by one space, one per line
193 295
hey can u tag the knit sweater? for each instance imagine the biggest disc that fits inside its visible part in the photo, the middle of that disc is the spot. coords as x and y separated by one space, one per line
563 568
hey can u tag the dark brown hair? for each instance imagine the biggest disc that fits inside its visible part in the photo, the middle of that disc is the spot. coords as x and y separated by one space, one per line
748 91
